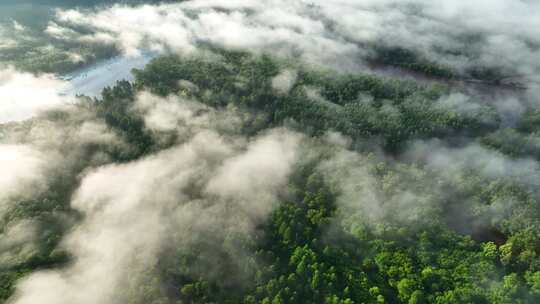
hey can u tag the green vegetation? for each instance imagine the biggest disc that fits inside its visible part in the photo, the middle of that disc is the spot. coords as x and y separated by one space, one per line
457 237
409 60
358 106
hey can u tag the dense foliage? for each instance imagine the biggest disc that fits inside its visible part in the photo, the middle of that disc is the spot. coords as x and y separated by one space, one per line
317 247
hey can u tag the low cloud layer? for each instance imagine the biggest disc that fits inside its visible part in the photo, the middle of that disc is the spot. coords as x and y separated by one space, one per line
209 184
26 166
460 33
204 183
474 158
36 157
24 95
344 35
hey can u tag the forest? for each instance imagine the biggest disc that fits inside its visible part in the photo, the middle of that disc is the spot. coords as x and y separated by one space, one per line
234 175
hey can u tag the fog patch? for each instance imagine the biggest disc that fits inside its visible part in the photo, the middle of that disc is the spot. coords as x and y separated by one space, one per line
23 168
336 33
473 158
24 95
211 184
284 81
18 243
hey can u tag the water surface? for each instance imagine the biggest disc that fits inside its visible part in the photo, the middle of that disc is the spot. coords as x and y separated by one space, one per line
91 80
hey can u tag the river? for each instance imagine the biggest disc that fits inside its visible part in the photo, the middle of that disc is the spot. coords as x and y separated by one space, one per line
91 80
35 15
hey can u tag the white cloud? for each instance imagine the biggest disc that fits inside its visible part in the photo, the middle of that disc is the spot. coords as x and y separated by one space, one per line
166 114
284 81
258 174
18 27
208 184
59 32
237 24
328 32
24 95
6 39
492 165
22 170
18 243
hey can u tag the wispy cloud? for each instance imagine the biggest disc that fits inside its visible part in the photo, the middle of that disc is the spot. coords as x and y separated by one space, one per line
23 95
460 34
211 183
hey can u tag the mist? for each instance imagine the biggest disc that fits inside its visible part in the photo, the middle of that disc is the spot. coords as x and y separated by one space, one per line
209 182
267 141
